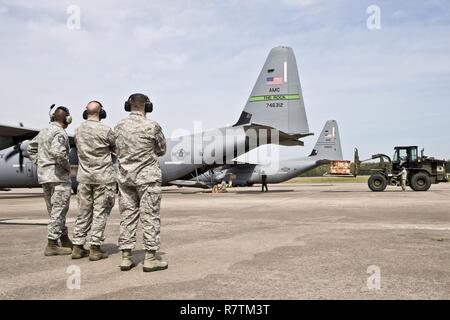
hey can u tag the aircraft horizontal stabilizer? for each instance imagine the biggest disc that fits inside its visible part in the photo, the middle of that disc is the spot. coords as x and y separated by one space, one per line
188 183
270 133
322 162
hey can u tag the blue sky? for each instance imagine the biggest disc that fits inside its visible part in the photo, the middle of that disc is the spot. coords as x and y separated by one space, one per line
198 60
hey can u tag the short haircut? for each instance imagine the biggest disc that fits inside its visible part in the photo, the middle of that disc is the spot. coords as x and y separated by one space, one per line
138 100
60 114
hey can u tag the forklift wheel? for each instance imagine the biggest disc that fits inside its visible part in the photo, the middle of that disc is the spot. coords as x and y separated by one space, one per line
377 182
420 182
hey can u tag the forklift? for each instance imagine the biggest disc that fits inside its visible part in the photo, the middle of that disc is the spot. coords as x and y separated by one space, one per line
422 171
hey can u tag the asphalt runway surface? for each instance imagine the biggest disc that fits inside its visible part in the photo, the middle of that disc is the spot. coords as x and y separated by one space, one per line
316 241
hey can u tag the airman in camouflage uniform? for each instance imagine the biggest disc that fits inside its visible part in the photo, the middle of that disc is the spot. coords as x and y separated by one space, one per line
139 143
96 191
50 151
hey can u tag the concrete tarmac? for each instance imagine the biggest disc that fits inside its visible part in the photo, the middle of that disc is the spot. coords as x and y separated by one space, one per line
295 242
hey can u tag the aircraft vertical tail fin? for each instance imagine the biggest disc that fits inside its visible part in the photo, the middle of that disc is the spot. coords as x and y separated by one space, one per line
276 99
328 146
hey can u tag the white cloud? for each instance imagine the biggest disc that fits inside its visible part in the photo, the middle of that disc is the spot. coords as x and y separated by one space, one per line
3 9
198 60
302 3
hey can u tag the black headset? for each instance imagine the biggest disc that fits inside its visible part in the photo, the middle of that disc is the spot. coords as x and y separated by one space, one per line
148 103
102 111
67 120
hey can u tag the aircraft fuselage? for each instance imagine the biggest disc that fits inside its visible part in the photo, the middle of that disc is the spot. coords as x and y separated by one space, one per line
248 174
184 155
286 170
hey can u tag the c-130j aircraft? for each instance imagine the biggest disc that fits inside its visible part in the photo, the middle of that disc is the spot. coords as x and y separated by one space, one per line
274 114
327 148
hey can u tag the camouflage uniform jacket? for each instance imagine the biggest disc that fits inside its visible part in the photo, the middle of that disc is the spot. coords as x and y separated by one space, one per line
95 145
50 151
139 143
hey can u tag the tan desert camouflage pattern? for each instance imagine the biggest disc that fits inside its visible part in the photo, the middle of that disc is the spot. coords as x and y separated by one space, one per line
139 144
142 202
57 199
95 142
403 176
50 151
95 203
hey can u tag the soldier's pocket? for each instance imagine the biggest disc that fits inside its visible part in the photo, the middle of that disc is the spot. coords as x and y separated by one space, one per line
110 195
61 195
61 172
63 190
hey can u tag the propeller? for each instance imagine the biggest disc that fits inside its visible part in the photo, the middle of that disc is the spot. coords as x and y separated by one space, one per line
17 150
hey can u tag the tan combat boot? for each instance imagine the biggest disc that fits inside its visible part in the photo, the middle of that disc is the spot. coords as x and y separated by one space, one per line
53 249
65 242
96 253
127 260
79 252
153 263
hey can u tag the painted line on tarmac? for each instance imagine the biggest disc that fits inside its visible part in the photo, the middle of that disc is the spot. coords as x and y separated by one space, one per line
29 222
380 226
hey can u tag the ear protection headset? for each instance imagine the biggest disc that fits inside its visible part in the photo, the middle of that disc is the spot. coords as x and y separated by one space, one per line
102 111
148 103
67 120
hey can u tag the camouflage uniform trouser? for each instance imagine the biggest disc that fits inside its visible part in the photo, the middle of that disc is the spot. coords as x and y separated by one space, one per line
403 183
140 202
95 203
57 199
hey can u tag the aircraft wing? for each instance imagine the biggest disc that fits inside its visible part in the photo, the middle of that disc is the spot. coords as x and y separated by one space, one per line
189 183
12 135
